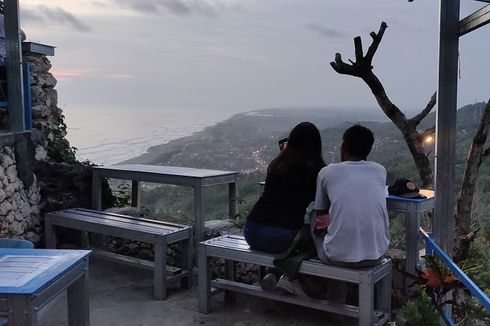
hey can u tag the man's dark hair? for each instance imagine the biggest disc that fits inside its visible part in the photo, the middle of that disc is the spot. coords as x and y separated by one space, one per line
358 141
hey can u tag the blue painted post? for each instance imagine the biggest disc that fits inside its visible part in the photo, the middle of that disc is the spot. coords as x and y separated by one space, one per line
27 95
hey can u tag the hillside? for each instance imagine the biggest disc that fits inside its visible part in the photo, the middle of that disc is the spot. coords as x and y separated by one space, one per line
247 142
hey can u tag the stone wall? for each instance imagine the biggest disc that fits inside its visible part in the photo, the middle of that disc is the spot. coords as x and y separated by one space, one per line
46 115
19 189
32 182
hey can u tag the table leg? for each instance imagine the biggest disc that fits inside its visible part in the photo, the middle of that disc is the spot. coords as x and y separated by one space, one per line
96 191
199 222
135 194
412 229
78 303
160 271
232 197
21 312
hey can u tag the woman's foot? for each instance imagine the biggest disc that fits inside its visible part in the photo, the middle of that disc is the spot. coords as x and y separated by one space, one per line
269 282
290 286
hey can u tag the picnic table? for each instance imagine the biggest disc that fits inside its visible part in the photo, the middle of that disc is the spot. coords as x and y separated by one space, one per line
173 175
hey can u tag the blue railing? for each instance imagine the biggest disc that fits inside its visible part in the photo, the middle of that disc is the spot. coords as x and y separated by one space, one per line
431 249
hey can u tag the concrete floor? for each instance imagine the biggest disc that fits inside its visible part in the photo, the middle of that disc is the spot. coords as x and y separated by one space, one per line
122 296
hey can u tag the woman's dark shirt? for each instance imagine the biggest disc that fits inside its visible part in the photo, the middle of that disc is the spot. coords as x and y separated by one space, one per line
285 198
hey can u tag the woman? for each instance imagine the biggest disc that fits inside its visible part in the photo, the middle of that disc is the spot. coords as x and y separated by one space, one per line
290 186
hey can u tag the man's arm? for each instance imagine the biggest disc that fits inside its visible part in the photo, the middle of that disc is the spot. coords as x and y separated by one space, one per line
322 204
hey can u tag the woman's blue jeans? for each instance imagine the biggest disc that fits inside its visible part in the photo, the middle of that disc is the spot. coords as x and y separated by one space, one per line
270 239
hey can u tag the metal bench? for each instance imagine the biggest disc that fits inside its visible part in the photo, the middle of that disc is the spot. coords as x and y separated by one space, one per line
155 232
235 249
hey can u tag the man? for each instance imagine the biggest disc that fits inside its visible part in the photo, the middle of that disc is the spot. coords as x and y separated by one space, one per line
350 203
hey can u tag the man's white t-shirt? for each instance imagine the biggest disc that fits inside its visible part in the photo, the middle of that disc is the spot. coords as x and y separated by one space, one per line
354 193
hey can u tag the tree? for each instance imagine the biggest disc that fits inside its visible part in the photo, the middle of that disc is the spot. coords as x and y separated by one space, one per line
363 68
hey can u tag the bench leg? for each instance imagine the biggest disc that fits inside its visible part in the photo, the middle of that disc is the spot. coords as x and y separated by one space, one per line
204 286
186 282
383 299
160 271
50 232
230 272
366 299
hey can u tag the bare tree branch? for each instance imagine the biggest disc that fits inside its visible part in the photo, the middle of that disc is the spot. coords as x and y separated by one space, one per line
419 117
374 46
363 69
363 64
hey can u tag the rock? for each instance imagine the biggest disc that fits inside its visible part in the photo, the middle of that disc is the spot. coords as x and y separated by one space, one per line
10 217
5 207
40 111
19 217
7 161
217 227
12 173
2 195
41 154
10 189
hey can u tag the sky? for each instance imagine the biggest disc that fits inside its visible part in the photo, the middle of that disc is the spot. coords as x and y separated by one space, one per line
246 54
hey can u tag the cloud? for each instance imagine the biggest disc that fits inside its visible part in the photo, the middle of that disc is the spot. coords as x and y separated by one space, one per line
68 73
177 7
71 73
56 15
120 76
325 31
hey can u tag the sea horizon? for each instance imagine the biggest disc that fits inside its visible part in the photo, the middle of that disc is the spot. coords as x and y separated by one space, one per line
114 134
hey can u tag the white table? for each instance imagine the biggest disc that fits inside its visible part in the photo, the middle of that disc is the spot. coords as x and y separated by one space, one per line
412 207
181 176
31 278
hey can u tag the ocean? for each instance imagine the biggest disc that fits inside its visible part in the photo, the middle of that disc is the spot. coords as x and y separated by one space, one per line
110 135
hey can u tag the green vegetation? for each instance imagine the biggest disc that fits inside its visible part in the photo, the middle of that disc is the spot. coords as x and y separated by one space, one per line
59 149
418 311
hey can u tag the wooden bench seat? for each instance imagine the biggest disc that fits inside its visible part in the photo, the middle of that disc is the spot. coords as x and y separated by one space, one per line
235 249
158 233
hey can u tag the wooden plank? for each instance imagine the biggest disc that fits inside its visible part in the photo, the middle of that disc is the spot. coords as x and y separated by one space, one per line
140 220
62 218
132 261
324 305
96 226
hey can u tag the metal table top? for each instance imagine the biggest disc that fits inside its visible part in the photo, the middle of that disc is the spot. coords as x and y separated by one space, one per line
26 271
166 170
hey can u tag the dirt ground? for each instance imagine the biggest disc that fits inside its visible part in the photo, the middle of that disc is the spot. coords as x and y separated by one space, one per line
122 296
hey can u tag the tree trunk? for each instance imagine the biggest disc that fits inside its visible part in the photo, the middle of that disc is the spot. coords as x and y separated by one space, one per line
464 203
